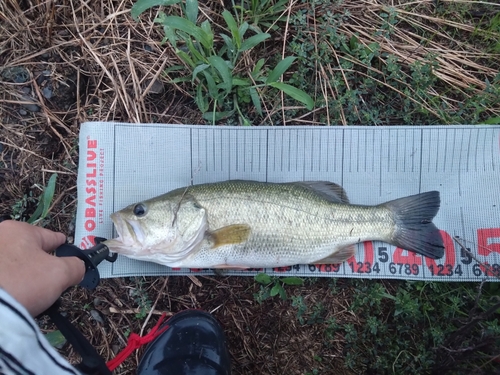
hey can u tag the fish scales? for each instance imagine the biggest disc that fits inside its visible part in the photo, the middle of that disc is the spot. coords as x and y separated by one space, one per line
286 227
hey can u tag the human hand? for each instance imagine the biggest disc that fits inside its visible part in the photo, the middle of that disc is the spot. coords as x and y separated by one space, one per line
28 273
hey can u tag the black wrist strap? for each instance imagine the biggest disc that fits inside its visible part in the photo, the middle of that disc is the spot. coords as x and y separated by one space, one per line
92 363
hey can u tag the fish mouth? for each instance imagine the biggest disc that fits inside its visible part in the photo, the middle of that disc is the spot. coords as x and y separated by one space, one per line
128 235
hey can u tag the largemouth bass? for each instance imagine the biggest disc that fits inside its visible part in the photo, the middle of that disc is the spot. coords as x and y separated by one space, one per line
248 224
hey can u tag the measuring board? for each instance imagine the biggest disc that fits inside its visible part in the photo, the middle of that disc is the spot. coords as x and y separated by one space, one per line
121 164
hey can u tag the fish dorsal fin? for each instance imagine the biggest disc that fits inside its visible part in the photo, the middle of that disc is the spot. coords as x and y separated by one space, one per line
231 234
327 190
339 256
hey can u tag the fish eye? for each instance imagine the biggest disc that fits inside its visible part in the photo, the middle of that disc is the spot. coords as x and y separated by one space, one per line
140 209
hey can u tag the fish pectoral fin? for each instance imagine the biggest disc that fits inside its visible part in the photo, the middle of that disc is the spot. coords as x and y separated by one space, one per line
231 234
339 256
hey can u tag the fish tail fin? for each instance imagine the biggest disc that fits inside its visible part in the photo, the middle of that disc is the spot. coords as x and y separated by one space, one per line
414 228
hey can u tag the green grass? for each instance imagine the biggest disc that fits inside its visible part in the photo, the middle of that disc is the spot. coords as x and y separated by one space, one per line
366 62
271 286
362 78
415 327
221 88
43 203
141 298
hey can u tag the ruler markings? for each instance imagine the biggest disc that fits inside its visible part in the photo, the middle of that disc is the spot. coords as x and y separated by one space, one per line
318 146
234 137
303 136
462 223
327 150
366 152
468 151
191 153
274 150
284 143
229 149
357 154
373 150
443 145
243 156
476 151
256 157
255 152
297 149
286 147
453 149
342 158
413 150
307 141
484 151
463 235
201 148
206 135
460 161
493 150
405 136
380 166
388 139
285 163
349 158
244 159
267 155
445 150
437 150
421 156
217 157
288 158
213 154
320 149
263 151
397 149
213 162
220 153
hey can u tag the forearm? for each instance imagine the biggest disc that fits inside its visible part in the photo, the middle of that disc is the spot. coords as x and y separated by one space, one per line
23 347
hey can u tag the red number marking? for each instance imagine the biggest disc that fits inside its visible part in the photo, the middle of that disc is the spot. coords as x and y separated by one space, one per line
485 248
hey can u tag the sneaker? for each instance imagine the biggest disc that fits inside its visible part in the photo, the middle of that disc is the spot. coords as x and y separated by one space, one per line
193 344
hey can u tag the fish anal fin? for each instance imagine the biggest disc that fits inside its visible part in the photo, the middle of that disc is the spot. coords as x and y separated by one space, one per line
221 268
231 234
339 256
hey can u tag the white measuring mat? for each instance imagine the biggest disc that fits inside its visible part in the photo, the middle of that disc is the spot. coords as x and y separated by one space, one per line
121 164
